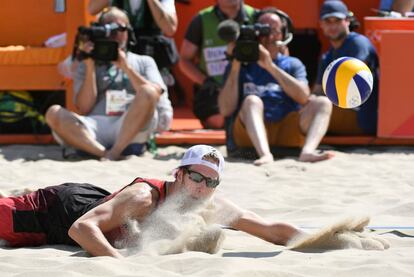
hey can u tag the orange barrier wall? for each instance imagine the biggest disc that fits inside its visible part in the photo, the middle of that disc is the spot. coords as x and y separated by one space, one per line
361 9
23 22
29 23
394 45
396 97
374 27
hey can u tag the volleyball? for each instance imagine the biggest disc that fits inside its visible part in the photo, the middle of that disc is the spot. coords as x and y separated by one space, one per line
347 82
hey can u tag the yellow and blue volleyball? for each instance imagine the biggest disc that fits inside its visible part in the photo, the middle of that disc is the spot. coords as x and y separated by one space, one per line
347 82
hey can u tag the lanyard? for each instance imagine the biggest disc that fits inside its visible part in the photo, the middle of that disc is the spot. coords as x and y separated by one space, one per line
113 73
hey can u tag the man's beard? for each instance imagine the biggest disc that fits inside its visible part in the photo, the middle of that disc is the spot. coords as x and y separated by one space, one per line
174 227
339 37
185 202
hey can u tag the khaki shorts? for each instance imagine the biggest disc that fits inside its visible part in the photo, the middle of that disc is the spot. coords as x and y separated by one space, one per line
105 129
344 122
285 133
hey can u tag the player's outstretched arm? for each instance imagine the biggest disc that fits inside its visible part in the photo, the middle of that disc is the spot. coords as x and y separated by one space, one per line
251 223
274 232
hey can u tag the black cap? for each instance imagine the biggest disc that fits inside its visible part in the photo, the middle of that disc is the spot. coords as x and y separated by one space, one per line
333 8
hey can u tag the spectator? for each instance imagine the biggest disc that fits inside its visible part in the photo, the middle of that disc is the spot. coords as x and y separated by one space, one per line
154 23
334 23
400 6
203 56
106 128
269 102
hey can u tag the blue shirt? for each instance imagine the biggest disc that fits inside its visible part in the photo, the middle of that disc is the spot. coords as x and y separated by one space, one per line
253 79
358 46
385 5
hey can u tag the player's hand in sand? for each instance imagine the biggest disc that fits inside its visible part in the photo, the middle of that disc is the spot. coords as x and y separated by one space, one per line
344 234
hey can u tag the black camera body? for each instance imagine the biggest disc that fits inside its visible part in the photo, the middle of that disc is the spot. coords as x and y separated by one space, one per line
105 49
247 43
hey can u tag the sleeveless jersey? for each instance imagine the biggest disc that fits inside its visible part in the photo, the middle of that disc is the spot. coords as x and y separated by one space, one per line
45 216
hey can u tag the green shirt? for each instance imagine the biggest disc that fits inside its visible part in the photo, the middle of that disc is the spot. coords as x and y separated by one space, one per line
213 60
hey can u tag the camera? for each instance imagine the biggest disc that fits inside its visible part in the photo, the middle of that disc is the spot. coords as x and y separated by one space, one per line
247 43
105 49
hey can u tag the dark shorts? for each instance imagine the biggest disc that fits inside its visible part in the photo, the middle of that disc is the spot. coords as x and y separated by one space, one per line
45 216
205 102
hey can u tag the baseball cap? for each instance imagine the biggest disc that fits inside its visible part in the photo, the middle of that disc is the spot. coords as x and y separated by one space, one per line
333 8
197 153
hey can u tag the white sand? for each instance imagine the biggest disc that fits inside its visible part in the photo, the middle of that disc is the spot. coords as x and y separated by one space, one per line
376 184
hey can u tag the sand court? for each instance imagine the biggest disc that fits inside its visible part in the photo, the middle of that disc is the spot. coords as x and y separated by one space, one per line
373 183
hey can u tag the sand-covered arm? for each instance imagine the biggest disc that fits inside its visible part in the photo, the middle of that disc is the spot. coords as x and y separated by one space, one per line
347 233
247 221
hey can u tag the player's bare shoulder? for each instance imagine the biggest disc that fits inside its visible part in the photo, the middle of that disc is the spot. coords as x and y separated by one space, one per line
140 198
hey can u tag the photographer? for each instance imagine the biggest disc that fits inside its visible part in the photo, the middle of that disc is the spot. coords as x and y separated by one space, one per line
268 102
154 23
118 99
203 57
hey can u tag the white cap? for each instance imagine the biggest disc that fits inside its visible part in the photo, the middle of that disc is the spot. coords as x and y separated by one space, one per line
195 155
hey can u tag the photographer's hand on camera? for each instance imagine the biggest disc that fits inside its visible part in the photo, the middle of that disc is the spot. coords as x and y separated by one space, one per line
86 47
121 62
265 59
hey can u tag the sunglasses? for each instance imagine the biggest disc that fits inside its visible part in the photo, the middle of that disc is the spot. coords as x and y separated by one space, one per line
122 28
198 178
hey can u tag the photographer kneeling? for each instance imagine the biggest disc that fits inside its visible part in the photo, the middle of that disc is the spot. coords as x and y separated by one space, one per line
116 92
268 102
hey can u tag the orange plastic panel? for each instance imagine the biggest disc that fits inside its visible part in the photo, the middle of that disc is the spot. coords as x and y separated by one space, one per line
374 27
43 77
186 129
304 13
29 22
191 137
218 137
396 97
77 15
30 55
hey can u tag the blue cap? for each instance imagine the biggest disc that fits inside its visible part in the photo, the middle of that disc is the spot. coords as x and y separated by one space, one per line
333 8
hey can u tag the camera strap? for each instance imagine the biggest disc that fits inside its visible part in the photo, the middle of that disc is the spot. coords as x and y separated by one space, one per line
112 72
117 98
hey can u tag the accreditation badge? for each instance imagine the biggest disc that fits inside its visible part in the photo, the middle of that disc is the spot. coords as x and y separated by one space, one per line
116 102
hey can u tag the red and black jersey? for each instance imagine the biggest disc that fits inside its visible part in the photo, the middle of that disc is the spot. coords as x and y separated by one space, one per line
158 185
45 216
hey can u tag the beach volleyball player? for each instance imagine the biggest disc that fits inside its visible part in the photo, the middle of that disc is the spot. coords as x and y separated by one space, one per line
88 216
